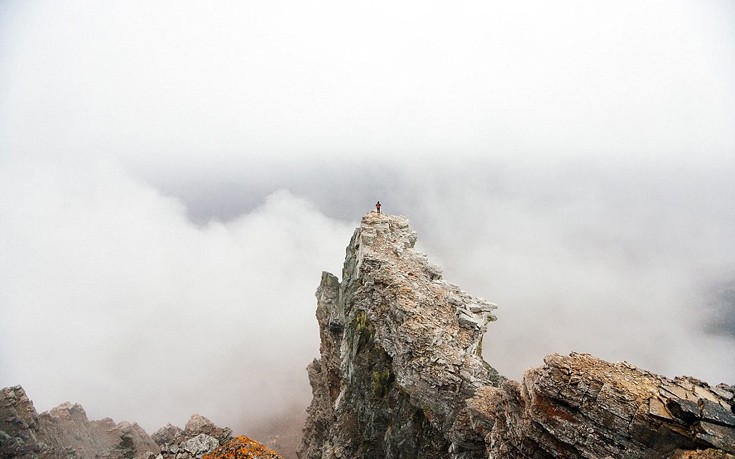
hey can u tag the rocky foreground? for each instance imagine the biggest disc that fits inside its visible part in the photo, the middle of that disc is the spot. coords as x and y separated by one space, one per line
66 432
401 376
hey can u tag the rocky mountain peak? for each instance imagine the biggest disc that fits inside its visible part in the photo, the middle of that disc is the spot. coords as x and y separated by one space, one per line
400 352
401 376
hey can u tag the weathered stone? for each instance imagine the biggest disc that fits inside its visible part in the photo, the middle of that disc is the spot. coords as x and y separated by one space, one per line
199 436
66 432
198 424
401 376
724 391
199 445
702 454
686 410
393 382
715 412
168 434
22 435
718 436
657 408
242 447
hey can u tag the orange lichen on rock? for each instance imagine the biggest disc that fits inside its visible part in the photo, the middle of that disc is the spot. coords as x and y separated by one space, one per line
242 447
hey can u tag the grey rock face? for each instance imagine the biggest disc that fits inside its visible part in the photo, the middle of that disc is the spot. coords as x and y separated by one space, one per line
199 437
200 425
20 428
400 376
168 434
400 354
580 406
199 445
66 432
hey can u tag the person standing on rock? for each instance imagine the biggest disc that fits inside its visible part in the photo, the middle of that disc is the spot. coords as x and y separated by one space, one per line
377 206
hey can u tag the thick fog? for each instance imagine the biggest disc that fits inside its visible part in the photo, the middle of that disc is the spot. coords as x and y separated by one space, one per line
174 176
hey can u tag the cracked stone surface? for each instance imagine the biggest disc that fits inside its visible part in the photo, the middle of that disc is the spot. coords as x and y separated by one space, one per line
581 406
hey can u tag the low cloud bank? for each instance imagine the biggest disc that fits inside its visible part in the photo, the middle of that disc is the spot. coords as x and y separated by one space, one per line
114 296
629 259
111 297
174 177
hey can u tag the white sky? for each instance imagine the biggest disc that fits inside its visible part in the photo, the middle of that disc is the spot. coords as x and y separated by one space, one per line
573 161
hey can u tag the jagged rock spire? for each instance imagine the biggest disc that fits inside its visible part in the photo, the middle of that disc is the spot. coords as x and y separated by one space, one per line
400 353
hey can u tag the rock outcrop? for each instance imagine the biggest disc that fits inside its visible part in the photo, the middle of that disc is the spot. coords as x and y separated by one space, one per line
199 437
401 376
20 429
243 447
66 432
400 354
581 406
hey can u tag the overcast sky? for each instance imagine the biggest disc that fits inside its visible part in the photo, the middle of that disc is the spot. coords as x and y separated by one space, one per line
175 175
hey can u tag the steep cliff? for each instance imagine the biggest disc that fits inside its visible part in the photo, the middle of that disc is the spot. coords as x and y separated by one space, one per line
401 376
400 354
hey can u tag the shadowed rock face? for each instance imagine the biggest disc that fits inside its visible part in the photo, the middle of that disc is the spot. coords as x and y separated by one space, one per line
401 376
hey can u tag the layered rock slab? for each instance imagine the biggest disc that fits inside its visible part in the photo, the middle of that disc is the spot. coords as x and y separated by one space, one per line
580 406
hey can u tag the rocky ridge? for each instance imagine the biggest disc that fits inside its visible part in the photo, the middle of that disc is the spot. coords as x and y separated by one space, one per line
401 376
66 432
581 406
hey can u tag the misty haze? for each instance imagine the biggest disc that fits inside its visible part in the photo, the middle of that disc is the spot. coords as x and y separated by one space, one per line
175 176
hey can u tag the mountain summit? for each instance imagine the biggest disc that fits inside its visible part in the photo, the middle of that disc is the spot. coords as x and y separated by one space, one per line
401 376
